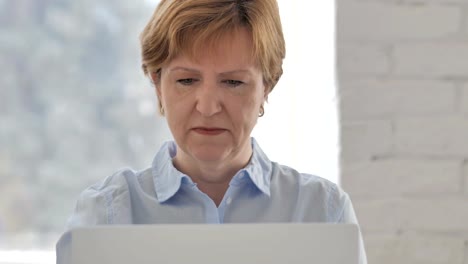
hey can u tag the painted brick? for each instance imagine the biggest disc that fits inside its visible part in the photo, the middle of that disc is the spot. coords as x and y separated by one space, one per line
435 213
381 248
414 249
425 2
387 98
464 99
465 175
436 136
362 59
466 252
396 178
404 169
376 215
448 2
432 59
363 140
386 21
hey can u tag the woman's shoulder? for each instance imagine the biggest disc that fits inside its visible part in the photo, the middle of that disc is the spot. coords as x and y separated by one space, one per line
116 180
106 200
304 180
119 181
311 188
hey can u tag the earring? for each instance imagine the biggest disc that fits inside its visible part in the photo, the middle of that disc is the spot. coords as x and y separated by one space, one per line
262 111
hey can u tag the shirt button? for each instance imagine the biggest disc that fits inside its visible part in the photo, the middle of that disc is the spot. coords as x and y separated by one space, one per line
228 200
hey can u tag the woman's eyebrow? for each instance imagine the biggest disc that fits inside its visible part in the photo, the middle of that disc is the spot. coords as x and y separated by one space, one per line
179 68
187 69
236 71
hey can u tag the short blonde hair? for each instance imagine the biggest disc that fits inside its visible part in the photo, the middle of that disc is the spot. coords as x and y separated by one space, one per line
183 26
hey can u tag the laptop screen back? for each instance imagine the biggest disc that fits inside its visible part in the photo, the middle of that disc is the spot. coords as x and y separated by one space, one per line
211 244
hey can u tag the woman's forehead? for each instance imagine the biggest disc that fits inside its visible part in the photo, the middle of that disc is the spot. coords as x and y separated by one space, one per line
230 52
235 41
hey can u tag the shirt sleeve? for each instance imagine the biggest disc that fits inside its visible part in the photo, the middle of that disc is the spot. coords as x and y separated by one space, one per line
107 202
93 207
348 216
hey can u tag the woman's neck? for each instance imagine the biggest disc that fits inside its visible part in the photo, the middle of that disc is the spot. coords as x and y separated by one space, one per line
212 177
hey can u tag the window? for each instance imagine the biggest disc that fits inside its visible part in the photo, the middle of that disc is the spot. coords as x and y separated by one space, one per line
300 126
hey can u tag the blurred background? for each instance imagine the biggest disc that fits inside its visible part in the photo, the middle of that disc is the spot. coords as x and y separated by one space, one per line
75 107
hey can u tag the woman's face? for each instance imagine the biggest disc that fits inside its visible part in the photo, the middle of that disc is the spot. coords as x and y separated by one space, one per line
212 102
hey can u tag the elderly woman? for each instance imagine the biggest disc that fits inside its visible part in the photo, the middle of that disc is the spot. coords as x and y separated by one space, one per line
213 64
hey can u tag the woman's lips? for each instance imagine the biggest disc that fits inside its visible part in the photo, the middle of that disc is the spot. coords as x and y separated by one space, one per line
208 131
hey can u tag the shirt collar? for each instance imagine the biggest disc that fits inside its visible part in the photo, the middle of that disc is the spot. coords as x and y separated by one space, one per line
168 180
259 169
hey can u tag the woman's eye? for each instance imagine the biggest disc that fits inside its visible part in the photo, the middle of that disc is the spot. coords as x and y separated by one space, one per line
187 81
233 83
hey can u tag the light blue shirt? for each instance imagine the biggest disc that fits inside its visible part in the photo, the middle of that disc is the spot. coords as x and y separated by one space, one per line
263 191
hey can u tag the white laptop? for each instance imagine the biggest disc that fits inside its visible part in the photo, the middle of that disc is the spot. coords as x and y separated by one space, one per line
211 244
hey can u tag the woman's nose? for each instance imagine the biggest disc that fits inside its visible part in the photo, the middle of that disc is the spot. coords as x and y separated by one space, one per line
208 100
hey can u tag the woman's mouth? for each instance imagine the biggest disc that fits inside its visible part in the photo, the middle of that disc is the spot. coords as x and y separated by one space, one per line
208 131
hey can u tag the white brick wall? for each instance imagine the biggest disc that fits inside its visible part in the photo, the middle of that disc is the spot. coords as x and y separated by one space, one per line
417 249
396 98
432 59
403 177
403 86
464 100
374 20
465 179
434 213
361 140
445 136
358 59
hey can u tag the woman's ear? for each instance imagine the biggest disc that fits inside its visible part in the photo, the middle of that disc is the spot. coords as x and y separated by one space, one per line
156 80
154 77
